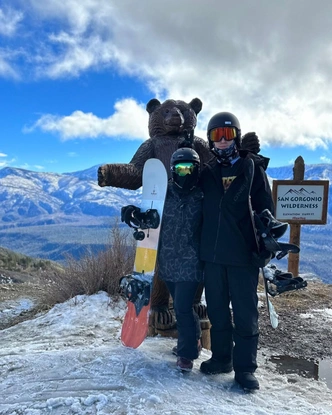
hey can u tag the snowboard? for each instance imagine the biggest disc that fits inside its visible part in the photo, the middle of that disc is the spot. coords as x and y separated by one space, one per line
277 282
136 322
273 316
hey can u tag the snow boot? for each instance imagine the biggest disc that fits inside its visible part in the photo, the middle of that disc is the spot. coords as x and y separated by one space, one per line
184 364
199 348
214 367
247 381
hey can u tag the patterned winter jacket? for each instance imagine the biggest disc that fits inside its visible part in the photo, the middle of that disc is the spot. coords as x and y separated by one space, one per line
178 252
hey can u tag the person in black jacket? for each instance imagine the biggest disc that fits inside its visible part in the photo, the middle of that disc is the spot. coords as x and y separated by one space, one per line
179 264
234 184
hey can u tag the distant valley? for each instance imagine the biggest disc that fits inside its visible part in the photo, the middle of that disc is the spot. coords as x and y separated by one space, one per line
50 215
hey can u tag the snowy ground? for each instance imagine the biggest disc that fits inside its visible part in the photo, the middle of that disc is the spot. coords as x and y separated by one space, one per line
71 361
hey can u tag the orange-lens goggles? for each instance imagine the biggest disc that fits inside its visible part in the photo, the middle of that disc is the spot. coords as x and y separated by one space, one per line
217 134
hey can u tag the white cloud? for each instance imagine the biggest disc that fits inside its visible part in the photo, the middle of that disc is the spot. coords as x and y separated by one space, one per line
6 70
129 121
3 155
325 159
268 62
27 166
9 20
6 162
79 54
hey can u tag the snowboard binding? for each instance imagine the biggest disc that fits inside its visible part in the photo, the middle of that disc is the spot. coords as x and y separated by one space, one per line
138 220
135 291
269 230
279 282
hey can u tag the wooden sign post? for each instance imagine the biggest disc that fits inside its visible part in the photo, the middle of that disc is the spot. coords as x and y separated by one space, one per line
295 228
297 202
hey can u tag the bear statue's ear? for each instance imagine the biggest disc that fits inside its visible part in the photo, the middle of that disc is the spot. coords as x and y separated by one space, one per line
196 104
152 105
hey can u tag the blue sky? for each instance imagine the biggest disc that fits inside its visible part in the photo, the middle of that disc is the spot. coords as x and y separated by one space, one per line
75 76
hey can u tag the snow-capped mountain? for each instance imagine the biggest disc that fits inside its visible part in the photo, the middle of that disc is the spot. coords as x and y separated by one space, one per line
312 172
29 198
49 215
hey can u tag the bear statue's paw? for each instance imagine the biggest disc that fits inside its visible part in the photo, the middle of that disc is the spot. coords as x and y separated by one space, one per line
103 175
162 319
201 311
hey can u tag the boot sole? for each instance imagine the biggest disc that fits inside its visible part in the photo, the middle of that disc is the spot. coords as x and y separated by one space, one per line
183 370
247 390
216 373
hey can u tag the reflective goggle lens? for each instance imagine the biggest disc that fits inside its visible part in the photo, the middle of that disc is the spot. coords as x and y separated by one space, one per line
182 169
228 133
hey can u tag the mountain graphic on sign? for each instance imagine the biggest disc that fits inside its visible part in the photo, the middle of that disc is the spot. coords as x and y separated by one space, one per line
302 191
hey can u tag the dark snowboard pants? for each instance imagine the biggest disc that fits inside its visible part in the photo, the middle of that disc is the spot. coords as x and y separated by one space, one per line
187 321
237 339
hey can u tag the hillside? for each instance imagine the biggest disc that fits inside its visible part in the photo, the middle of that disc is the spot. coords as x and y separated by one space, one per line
19 263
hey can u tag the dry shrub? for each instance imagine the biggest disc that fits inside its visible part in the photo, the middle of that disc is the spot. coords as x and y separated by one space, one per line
94 272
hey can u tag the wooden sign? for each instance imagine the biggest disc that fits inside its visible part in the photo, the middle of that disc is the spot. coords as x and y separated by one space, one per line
301 201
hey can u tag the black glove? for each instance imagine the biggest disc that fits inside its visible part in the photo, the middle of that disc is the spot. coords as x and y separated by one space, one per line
128 215
250 142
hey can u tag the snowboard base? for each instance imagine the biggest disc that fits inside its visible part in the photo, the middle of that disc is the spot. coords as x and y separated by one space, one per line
135 327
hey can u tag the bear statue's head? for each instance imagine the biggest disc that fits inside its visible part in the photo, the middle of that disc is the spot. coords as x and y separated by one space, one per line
172 117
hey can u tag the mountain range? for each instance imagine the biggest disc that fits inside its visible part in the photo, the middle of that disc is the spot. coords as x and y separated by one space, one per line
50 215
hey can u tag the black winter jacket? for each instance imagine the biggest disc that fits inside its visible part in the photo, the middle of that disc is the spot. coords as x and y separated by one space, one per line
178 251
228 234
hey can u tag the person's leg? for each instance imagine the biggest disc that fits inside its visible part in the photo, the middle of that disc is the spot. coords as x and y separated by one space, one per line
187 319
218 299
243 288
243 283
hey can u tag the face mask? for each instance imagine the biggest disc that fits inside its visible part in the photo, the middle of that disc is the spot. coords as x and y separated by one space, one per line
226 155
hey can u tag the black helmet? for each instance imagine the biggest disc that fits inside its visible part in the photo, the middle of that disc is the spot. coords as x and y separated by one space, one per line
184 154
224 119
272 226
185 164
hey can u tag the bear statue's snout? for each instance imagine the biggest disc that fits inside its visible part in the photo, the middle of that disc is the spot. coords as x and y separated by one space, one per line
174 119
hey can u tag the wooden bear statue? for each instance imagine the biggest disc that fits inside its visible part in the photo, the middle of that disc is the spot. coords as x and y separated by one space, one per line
167 121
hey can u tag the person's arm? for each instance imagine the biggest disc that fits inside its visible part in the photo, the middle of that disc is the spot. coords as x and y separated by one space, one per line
261 195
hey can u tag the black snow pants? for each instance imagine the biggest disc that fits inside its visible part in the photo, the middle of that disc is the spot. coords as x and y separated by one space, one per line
187 321
235 339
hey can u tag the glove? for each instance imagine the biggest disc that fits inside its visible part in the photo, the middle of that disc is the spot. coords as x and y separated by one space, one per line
102 175
128 215
250 142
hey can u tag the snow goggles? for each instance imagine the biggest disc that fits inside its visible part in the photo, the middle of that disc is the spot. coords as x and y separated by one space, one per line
226 133
183 169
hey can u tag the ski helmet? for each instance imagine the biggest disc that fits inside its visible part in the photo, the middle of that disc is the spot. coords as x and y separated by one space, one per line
224 119
185 164
272 226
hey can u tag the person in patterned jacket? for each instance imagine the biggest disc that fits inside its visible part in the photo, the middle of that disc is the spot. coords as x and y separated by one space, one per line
178 262
178 252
